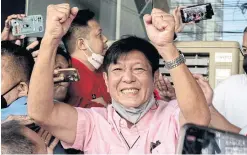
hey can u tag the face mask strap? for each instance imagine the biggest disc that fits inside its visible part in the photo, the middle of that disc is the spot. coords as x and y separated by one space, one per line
11 88
87 47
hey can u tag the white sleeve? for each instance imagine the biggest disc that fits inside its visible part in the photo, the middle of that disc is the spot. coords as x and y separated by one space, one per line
219 98
243 131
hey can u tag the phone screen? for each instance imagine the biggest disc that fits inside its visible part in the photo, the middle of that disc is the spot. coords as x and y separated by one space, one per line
202 140
69 74
197 13
28 25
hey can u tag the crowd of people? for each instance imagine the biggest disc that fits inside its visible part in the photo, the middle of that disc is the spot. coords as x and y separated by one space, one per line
121 104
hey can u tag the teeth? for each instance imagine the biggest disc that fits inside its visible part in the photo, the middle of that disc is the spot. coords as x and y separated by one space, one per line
130 91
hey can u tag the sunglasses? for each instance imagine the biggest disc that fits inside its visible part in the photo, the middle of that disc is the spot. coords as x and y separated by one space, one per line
243 50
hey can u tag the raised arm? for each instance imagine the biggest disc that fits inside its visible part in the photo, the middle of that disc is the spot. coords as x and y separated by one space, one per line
59 119
160 28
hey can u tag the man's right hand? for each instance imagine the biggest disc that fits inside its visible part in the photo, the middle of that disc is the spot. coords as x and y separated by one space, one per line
58 20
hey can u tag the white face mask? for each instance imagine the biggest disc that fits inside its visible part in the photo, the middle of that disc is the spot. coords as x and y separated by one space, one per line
96 60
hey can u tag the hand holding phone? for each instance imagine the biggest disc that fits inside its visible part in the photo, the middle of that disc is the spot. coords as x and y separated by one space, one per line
202 140
27 25
66 75
6 33
197 13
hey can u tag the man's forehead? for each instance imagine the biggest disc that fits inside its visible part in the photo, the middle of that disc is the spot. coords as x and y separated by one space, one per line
94 25
133 58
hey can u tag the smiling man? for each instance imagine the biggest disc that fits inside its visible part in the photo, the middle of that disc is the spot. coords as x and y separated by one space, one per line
135 120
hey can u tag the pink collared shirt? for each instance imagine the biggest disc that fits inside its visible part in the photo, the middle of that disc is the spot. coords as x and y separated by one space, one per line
103 131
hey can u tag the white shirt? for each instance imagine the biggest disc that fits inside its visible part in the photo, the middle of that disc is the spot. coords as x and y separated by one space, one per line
243 131
230 99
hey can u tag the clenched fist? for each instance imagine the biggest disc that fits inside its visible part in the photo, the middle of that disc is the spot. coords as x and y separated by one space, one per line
58 20
160 27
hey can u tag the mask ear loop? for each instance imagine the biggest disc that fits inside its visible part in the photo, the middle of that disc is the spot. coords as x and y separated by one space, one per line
11 88
86 45
241 50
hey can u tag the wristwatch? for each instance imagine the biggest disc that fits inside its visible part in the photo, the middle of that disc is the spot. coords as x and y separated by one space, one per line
176 62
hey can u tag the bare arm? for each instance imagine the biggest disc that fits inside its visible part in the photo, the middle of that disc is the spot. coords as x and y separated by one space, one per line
59 119
190 97
220 122
160 28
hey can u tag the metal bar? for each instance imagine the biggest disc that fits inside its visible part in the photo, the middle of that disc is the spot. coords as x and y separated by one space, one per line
118 19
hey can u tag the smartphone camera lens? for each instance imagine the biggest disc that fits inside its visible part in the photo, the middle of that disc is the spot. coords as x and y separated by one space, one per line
40 28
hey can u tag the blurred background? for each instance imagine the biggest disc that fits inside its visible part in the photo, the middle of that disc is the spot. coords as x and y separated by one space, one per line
212 47
119 17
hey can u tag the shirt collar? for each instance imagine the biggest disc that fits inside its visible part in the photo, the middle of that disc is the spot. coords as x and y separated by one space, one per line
19 101
116 120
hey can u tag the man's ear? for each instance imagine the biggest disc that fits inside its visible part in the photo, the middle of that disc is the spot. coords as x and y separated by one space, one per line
80 43
105 76
22 89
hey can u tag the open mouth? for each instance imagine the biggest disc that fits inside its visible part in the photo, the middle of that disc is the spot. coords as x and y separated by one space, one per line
130 91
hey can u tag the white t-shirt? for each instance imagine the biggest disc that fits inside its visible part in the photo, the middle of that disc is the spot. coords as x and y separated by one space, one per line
243 131
230 99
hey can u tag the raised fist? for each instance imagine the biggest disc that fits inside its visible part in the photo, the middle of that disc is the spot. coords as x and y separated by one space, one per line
58 20
160 27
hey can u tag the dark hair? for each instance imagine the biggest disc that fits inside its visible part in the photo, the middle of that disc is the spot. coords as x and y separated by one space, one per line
13 140
128 44
21 61
81 20
60 50
82 17
245 30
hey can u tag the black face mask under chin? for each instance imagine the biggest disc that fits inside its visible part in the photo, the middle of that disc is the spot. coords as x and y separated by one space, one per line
245 63
4 103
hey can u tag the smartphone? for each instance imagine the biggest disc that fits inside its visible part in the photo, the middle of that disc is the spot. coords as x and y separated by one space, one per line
28 25
197 13
202 140
69 74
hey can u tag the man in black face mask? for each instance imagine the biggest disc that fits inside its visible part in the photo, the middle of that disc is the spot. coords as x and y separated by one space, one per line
230 95
244 49
16 65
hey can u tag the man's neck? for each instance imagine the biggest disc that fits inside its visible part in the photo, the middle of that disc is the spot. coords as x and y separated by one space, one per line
83 59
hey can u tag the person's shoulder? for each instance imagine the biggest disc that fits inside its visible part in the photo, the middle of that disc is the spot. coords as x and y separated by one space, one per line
233 81
236 78
93 112
79 65
243 131
170 107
